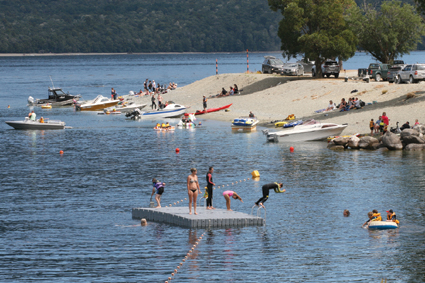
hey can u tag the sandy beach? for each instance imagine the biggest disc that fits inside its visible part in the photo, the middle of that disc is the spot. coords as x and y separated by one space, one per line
274 97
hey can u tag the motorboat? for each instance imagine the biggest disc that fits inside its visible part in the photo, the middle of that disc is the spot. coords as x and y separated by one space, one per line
310 130
56 97
125 107
245 124
382 225
186 125
100 102
169 111
28 124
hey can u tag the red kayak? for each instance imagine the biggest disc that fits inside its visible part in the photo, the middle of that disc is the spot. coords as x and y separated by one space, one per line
199 112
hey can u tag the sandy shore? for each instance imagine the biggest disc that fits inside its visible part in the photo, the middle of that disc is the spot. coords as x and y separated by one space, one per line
273 97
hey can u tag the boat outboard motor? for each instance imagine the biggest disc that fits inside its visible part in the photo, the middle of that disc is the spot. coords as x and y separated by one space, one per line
31 100
265 132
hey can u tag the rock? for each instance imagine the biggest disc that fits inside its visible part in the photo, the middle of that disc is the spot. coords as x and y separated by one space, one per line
420 128
409 136
341 140
392 141
353 142
415 146
336 147
368 142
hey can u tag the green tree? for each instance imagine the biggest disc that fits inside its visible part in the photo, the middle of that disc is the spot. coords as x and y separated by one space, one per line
394 30
420 7
315 28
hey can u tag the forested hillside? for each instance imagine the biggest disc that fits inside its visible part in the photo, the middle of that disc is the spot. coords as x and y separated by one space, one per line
137 26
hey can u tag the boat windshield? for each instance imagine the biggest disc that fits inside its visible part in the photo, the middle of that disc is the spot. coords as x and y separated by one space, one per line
310 122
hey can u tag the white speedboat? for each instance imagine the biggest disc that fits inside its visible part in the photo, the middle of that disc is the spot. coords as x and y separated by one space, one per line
99 103
125 107
382 225
310 130
244 124
170 111
28 124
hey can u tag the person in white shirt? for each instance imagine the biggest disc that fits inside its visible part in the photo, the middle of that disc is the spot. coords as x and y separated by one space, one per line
331 106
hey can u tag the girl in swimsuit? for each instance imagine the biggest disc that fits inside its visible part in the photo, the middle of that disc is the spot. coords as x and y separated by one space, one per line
230 194
193 189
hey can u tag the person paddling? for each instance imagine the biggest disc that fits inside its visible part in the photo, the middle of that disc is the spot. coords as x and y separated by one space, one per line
266 189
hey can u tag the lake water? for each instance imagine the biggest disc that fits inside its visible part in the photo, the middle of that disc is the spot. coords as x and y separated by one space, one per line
67 218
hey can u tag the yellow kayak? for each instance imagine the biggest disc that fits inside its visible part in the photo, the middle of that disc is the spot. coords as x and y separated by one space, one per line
280 124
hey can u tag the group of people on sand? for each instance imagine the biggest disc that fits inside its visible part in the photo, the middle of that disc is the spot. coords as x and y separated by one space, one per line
353 103
232 91
374 215
193 190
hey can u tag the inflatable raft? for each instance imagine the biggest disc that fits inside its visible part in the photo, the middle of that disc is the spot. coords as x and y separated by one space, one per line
382 225
164 129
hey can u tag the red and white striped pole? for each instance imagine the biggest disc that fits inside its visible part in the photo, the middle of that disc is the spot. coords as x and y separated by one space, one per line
216 67
247 61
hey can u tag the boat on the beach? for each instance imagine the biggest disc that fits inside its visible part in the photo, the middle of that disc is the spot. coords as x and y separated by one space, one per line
382 225
125 106
28 124
200 112
310 130
244 124
100 102
56 97
169 111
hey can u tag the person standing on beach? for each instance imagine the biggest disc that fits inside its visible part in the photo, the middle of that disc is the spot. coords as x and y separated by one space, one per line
266 189
371 126
145 85
153 101
153 85
160 106
385 119
204 102
193 189
210 185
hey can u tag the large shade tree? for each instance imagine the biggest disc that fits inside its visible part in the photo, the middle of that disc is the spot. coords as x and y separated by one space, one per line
388 33
316 29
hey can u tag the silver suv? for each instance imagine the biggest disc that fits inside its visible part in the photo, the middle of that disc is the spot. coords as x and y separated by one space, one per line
329 67
393 72
271 65
412 74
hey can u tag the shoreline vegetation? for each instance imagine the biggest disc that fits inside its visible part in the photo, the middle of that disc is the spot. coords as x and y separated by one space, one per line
274 97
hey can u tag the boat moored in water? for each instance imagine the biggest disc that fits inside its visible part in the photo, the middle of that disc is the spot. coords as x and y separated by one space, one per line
310 130
99 103
28 124
57 97
169 111
210 110
245 124
125 107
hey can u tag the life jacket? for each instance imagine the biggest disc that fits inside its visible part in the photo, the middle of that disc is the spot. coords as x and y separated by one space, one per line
163 125
377 217
167 125
278 189
158 125
390 217
381 123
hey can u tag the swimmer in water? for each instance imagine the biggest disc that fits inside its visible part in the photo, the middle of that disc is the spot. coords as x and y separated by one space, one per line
230 194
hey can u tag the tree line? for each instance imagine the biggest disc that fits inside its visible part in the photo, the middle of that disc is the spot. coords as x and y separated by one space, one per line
137 26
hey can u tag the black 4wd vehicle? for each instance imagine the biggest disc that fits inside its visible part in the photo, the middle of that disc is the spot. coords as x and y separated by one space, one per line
329 67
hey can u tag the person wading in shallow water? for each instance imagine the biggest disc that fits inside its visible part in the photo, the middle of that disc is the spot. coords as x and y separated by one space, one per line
193 190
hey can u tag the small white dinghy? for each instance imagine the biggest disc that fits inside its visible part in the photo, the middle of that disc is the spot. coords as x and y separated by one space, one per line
382 225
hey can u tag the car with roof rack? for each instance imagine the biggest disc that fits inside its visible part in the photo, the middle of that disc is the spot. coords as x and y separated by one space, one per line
272 65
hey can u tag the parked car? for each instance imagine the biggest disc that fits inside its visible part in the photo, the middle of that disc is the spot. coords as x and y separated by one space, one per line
329 67
411 74
378 71
393 72
307 64
271 65
398 62
293 69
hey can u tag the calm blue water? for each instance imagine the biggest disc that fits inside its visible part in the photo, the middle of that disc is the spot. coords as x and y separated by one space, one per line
68 218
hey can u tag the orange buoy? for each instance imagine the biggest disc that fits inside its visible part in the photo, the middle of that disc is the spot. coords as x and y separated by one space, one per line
61 152
291 149
177 150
